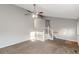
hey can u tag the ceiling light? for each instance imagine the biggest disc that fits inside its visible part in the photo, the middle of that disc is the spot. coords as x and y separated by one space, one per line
34 15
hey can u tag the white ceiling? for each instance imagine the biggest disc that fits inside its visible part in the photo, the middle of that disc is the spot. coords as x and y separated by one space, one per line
56 10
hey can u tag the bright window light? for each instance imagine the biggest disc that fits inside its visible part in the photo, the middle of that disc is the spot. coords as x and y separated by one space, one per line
37 36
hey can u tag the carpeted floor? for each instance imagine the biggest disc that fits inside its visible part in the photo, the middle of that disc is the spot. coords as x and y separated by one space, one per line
38 47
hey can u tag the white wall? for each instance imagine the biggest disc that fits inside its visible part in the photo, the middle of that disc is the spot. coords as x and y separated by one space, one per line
64 28
78 28
78 31
15 27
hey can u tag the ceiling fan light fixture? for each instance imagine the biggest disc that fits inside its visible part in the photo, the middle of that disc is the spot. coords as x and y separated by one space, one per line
34 15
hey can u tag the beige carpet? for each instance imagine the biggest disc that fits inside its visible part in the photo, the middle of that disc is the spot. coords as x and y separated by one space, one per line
38 47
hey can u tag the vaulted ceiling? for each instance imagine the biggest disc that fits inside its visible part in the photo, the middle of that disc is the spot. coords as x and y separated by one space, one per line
55 10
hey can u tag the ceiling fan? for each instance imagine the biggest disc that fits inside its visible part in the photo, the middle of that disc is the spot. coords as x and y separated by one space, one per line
35 12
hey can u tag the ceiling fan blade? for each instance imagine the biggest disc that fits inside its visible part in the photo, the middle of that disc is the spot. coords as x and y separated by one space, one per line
50 17
45 16
29 11
28 14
